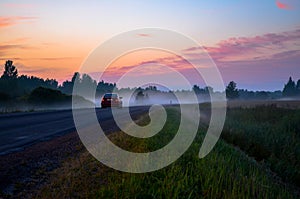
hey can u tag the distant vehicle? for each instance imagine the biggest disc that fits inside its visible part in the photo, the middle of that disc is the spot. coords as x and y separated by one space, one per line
111 100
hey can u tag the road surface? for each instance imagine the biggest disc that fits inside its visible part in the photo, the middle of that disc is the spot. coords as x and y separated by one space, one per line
18 130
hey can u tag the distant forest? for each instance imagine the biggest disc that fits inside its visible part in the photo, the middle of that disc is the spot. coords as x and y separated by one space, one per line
14 86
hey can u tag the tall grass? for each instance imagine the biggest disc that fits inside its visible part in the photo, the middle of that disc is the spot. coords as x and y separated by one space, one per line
270 135
225 173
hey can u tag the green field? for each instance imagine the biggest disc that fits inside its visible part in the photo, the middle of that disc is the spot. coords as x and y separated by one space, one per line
269 134
257 157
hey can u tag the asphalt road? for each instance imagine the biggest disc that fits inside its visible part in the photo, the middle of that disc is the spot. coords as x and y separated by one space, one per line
18 130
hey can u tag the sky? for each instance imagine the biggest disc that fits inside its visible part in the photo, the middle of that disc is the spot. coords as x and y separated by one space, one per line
254 43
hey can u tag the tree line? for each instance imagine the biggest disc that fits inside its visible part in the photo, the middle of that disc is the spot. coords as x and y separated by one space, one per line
290 90
13 86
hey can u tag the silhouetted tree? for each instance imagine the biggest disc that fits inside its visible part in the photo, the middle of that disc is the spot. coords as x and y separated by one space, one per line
43 95
298 87
151 88
26 84
262 95
139 95
8 81
4 97
67 86
208 89
103 87
51 83
204 90
245 94
10 71
231 90
85 82
289 89
75 77
196 89
85 86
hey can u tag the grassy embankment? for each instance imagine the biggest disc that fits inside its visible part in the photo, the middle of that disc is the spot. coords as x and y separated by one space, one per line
227 172
41 99
269 134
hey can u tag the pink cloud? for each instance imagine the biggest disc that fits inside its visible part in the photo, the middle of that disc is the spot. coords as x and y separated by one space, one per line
260 62
174 62
271 46
10 21
283 6
143 35
251 48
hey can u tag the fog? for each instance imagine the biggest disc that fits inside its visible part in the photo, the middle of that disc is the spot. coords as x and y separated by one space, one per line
150 97
21 106
30 108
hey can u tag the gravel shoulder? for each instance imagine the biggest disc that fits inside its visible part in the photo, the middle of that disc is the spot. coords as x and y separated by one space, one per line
23 172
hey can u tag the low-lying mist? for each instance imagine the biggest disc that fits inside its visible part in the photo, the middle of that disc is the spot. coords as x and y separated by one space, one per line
158 97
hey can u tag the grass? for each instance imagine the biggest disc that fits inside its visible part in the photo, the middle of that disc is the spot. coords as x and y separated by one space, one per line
226 172
269 134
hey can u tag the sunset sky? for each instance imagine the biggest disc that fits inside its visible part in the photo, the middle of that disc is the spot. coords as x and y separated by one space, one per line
255 43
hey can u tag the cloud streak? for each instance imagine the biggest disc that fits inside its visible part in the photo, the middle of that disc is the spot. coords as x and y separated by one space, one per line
143 35
253 48
13 20
40 58
14 46
4 49
174 62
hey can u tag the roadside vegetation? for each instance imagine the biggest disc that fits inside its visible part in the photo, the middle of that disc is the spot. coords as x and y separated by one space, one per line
42 99
227 172
269 134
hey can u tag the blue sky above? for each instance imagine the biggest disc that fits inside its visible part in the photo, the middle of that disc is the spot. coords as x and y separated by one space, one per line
45 34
